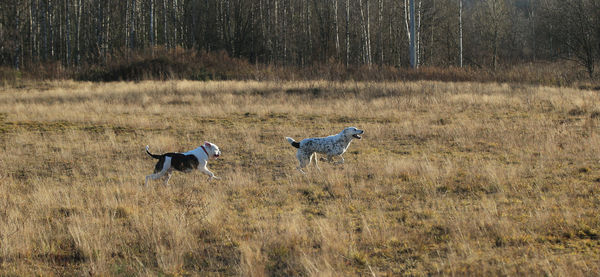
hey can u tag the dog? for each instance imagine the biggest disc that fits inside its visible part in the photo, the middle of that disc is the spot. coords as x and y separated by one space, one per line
185 162
334 145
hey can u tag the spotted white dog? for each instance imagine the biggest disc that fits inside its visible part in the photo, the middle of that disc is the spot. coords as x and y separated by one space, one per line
335 145
185 162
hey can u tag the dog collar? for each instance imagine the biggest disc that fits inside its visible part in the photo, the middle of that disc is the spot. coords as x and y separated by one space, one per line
205 151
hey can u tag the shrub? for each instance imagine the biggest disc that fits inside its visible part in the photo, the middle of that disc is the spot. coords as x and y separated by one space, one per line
163 64
9 76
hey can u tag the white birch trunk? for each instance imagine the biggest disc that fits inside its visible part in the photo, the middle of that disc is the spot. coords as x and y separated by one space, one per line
413 57
337 30
418 36
151 23
32 30
18 34
347 32
284 24
406 20
460 34
78 32
68 33
368 35
364 34
165 36
174 31
380 33
132 26
276 30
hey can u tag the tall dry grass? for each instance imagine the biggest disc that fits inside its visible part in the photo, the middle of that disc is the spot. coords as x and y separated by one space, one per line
450 179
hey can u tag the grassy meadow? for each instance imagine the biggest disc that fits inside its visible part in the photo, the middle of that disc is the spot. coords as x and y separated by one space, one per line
449 179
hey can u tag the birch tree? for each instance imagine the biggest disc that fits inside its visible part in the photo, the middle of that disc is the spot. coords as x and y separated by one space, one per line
68 33
337 29
347 32
365 26
460 34
151 23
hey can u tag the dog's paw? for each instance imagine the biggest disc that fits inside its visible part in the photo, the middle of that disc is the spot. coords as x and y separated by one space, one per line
214 177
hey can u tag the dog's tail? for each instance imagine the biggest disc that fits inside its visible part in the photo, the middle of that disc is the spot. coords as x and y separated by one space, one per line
152 155
293 142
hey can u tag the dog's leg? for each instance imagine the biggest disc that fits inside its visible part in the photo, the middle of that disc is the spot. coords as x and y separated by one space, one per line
154 176
316 161
168 177
210 174
304 159
341 161
164 170
301 166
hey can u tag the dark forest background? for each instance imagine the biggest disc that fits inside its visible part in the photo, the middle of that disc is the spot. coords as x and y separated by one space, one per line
221 39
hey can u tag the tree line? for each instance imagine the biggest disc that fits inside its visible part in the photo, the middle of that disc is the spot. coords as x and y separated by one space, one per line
476 33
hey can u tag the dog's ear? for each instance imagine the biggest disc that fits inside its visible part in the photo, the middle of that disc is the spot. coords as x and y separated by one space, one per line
207 144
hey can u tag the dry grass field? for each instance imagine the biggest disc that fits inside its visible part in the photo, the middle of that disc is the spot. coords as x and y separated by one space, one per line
449 179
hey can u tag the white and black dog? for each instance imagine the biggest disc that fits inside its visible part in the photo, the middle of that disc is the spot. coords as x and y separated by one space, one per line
335 145
185 162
